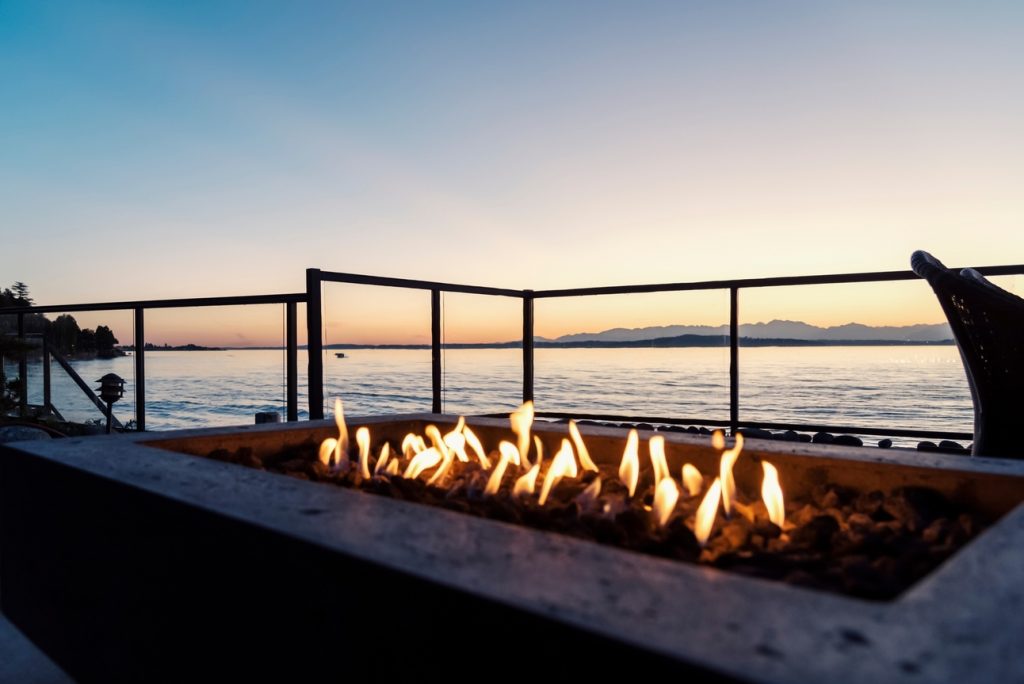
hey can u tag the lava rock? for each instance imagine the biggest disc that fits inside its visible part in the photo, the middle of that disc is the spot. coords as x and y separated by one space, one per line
755 433
804 515
937 532
927 446
631 521
817 534
804 437
860 522
823 438
767 529
884 443
869 503
848 440
916 507
736 532
832 495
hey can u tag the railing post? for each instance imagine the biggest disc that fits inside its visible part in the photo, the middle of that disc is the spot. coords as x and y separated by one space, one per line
435 349
734 360
527 345
22 369
47 395
140 369
292 360
314 344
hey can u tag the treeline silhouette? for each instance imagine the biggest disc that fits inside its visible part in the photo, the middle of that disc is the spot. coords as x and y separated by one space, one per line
63 332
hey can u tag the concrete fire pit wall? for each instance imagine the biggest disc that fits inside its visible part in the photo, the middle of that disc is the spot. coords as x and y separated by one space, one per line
125 562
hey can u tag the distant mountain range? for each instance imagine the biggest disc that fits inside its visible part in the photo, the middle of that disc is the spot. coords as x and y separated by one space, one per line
777 329
774 333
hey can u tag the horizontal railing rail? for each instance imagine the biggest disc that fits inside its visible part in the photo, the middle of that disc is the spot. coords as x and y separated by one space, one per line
781 281
184 303
313 299
314 326
139 307
316 277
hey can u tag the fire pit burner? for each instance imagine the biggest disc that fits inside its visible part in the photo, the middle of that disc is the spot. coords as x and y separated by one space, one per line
871 544
126 558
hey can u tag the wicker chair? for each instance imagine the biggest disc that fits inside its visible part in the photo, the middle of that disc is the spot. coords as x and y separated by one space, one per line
988 324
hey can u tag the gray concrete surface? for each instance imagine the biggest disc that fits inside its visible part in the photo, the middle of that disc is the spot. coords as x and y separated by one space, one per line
22 663
962 623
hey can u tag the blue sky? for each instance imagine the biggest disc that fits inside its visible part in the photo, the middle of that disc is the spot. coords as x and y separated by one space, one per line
203 148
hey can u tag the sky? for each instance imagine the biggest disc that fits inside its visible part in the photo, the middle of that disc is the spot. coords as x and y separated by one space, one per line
182 149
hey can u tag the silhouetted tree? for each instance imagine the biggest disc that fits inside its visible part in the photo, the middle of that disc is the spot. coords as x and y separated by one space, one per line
20 291
86 341
64 334
18 297
105 339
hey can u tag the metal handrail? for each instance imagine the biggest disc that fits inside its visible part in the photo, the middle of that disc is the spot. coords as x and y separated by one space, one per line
312 297
138 307
316 277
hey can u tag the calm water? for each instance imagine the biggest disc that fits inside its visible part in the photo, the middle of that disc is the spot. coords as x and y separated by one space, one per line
922 387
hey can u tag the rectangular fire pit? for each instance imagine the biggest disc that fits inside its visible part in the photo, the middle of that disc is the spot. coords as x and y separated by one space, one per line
128 558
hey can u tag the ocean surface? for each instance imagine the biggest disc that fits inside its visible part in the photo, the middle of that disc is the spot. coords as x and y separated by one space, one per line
886 387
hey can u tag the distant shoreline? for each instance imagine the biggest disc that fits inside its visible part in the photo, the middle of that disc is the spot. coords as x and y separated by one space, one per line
685 341
149 347
669 343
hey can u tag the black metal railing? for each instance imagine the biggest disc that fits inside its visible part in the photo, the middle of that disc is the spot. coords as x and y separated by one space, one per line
290 302
316 277
314 327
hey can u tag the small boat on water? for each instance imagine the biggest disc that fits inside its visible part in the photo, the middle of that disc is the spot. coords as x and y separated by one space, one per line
340 355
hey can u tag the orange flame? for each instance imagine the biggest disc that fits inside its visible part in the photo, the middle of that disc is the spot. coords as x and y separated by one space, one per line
656 447
412 444
339 419
393 467
527 484
436 440
327 449
539 446
474 443
382 460
693 480
666 494
562 465
629 468
581 448
446 463
521 420
428 458
446 454
771 492
725 474
457 443
341 461
706 512
363 440
508 453
717 440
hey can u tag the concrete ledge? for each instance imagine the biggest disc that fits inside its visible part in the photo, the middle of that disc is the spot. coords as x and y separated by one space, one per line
22 663
135 563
